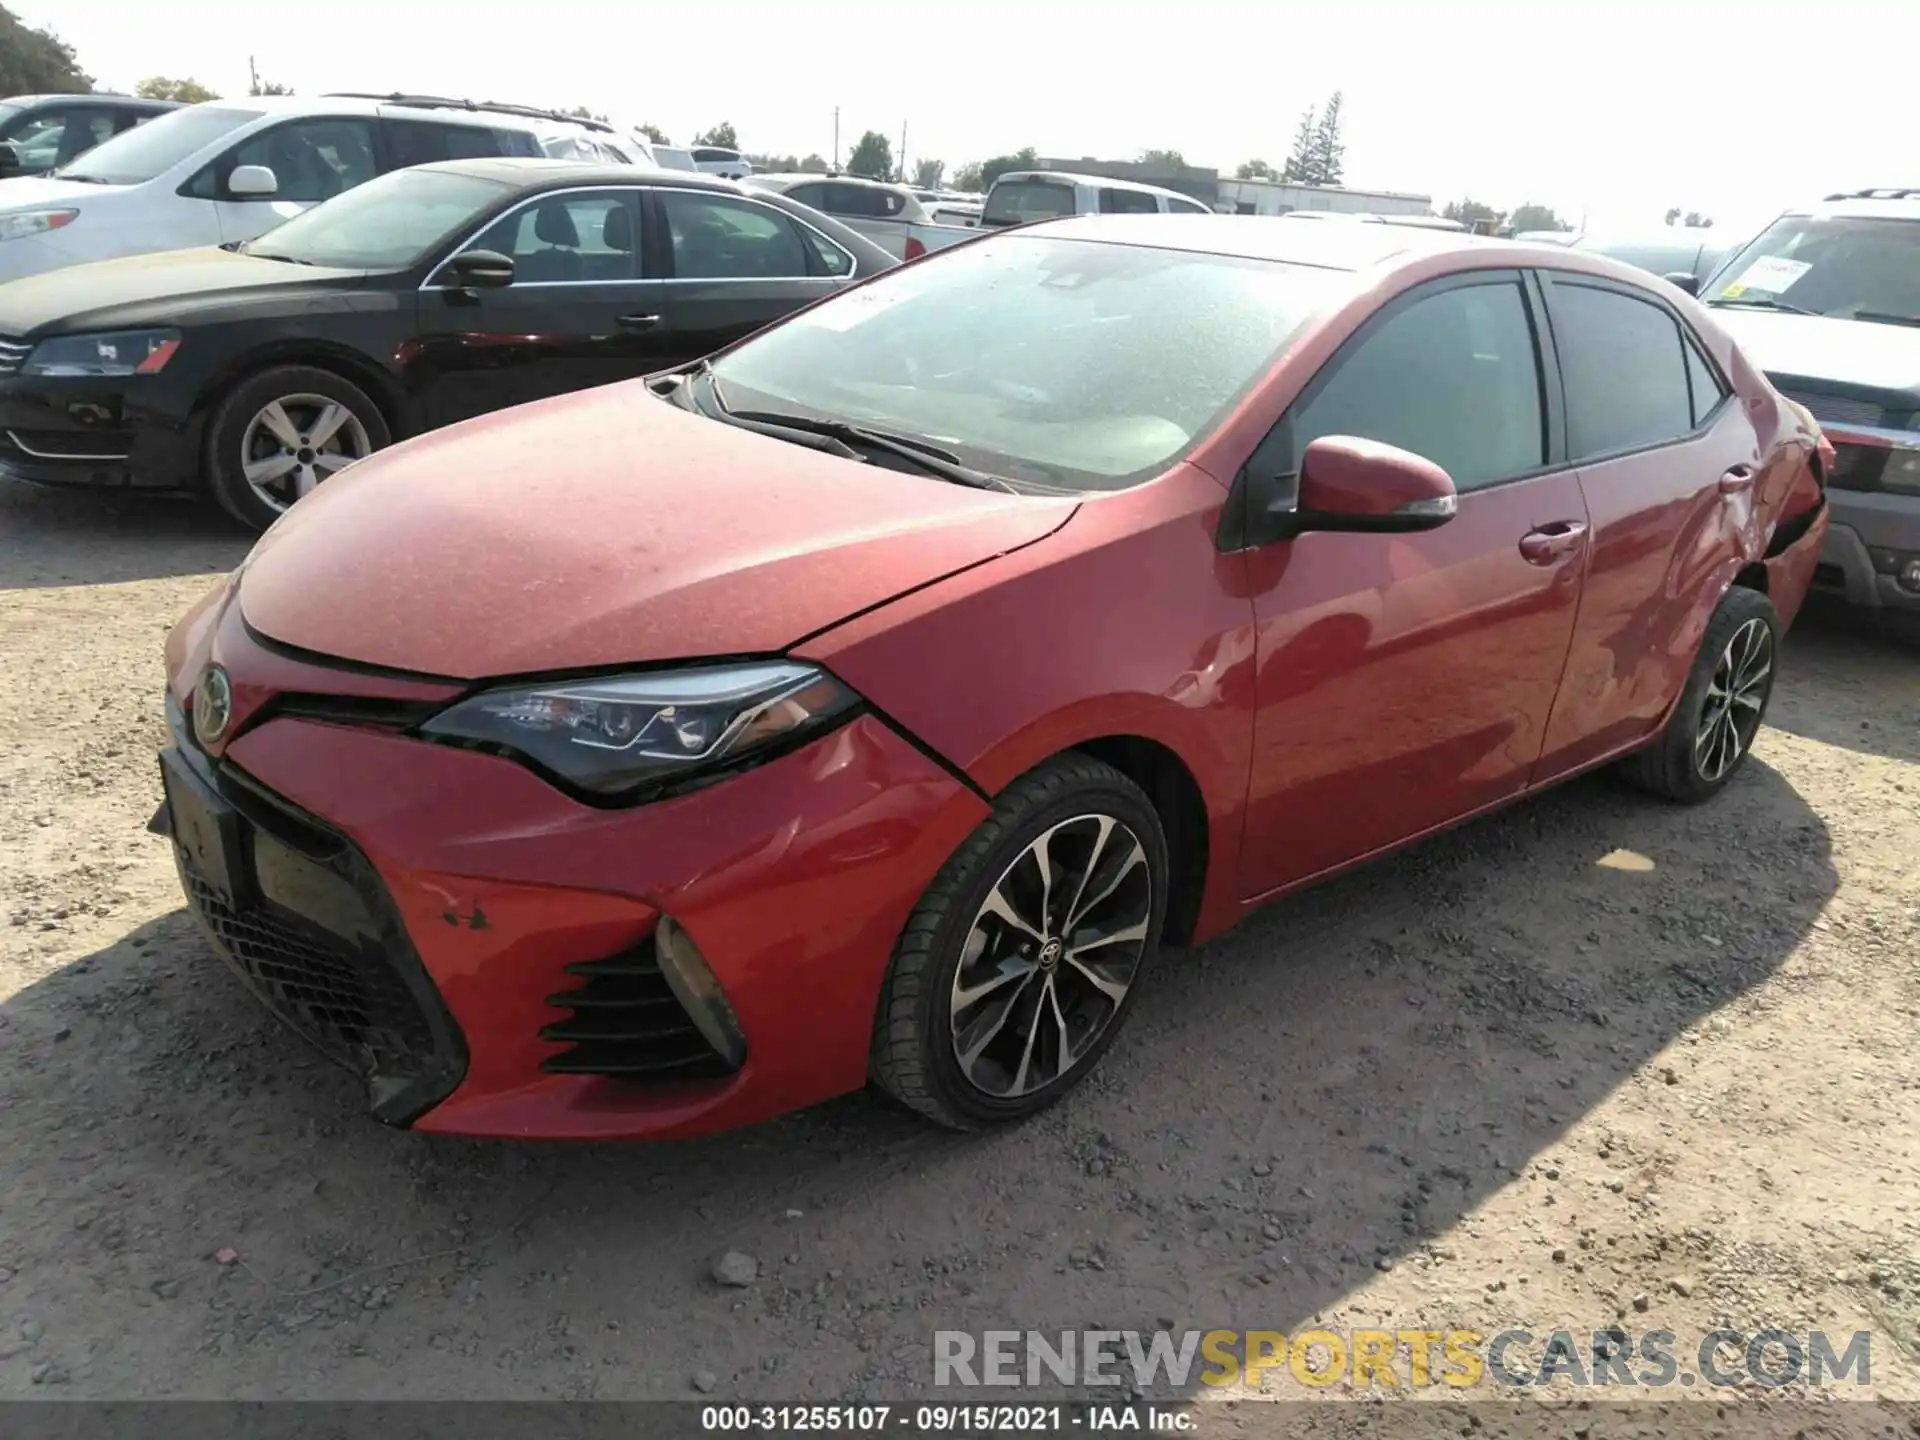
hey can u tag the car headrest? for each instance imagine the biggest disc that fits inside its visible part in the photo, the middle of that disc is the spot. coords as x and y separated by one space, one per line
554 224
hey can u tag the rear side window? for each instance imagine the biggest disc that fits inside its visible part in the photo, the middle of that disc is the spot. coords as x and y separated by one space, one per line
717 237
832 259
1704 382
1018 201
421 142
1454 377
1625 370
814 195
1187 207
1127 202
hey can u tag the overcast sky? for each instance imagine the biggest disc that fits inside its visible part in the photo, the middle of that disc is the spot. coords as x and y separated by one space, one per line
1614 110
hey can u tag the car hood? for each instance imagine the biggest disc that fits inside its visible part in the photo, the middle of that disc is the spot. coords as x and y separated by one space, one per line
147 289
1818 347
608 528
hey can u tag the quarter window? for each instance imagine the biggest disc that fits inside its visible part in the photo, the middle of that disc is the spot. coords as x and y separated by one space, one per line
1453 377
1127 202
1704 382
580 238
716 237
1625 370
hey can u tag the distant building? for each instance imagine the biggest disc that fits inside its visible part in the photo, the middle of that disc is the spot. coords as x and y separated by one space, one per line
1245 197
1270 197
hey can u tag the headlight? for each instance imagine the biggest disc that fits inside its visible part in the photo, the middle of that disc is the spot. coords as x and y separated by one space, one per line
626 733
21 223
1902 470
121 352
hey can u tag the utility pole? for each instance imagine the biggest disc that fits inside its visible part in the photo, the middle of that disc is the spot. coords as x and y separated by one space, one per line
903 152
836 138
253 74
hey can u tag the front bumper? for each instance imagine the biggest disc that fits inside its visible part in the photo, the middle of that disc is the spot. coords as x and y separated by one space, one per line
1872 534
98 432
794 880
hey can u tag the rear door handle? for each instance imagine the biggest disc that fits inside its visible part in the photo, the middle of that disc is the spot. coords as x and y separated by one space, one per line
638 322
1547 543
1737 480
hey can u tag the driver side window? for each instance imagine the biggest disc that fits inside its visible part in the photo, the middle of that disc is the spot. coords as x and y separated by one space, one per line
313 159
1453 377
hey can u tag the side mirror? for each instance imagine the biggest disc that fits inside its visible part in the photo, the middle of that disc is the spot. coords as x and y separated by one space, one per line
1347 483
1685 280
253 182
479 269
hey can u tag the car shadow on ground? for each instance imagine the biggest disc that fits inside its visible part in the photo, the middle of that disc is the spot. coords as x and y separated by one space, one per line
51 538
1836 666
1319 1095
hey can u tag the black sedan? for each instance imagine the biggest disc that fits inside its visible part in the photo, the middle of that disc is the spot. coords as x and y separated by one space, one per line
426 296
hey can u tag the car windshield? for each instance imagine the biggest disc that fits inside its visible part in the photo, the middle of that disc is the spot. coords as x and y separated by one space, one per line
386 224
7 112
1014 202
139 154
1066 362
1848 267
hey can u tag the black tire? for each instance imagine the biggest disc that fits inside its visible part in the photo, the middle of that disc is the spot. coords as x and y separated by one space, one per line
229 438
1682 763
914 1057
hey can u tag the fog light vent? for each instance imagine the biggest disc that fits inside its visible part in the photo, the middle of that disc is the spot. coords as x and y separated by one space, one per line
654 1012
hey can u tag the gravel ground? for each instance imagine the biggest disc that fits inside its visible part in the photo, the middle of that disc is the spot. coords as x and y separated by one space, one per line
1593 1059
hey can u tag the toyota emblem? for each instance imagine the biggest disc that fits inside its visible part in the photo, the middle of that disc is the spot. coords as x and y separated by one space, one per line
212 705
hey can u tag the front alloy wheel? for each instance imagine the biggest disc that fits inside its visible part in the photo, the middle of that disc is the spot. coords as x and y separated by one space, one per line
1017 968
295 442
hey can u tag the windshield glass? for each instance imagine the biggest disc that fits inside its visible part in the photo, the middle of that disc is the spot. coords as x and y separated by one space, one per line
386 224
1846 267
154 148
1014 202
1067 362
7 112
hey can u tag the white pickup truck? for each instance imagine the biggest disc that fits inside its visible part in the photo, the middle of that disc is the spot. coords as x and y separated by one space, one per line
888 215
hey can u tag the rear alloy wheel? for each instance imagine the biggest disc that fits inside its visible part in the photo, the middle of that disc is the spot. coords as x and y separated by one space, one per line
281 433
1017 968
1713 728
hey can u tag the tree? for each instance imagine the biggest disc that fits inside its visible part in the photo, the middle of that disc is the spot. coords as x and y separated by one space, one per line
654 133
1696 221
775 164
1329 150
985 172
1299 166
585 114
187 92
872 157
927 174
1673 214
970 179
1255 170
814 164
1164 159
257 86
1536 217
720 135
1474 215
37 62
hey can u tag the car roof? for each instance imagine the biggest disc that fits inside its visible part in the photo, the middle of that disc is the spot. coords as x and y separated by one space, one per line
1891 203
1326 247
96 97
527 172
799 177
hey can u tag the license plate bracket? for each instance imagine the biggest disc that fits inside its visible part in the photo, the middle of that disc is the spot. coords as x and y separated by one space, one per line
207 830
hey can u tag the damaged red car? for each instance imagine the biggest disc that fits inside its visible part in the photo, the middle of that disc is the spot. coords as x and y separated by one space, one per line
871 702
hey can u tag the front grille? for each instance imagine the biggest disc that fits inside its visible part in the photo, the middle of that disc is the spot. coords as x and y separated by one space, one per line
13 354
347 1001
627 1022
1838 409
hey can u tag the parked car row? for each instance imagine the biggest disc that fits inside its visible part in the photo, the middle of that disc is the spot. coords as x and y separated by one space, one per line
39 133
865 702
889 215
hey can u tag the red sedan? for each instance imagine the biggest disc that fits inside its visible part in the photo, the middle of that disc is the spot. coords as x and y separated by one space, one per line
869 703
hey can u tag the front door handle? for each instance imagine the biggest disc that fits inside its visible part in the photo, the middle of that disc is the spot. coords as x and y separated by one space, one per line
1547 543
1737 481
638 322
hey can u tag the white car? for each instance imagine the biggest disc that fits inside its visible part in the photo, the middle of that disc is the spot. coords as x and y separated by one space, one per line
886 214
718 160
672 157
226 171
1021 196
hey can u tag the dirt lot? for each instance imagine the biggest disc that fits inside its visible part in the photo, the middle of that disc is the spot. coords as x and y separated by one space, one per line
1493 1081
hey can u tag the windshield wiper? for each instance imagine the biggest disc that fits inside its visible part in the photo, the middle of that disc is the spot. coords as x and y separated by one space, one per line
927 457
266 255
1764 303
1883 317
